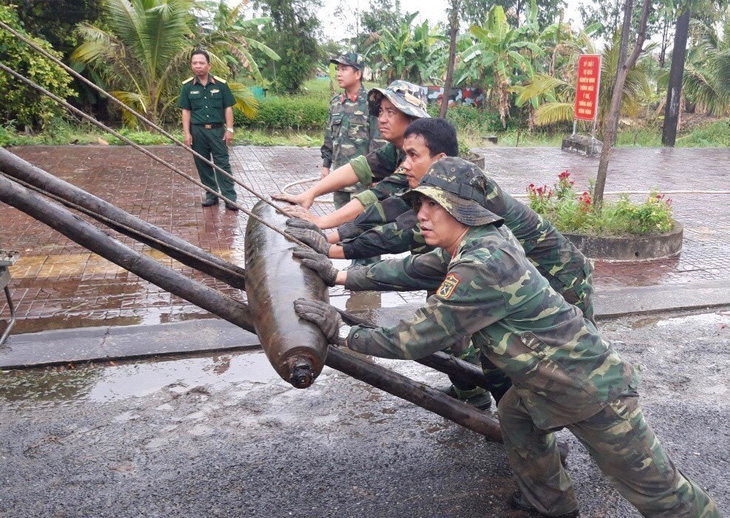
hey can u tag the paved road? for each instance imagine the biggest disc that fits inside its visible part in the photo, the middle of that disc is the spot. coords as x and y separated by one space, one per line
221 435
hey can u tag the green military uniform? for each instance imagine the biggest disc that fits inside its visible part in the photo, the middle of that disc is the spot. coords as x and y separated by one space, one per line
392 226
564 373
351 130
207 105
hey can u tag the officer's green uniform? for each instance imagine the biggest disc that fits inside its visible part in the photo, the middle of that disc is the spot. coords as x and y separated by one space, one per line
351 131
207 105
564 373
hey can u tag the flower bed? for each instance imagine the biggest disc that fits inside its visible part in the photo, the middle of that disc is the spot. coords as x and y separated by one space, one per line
575 213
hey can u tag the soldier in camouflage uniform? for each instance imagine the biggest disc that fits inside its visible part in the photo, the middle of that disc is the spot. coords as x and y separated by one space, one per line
395 107
391 226
351 130
565 374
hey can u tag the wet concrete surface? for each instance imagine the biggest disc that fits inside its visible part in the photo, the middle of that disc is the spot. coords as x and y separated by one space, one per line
222 435
57 284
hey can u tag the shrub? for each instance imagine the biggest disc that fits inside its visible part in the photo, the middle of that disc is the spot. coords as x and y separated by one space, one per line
23 104
287 113
570 212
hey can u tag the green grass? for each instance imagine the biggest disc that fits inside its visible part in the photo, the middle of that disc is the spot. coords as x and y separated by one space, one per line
298 121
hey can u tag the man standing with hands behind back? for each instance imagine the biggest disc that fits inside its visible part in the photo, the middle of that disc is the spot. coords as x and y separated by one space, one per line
207 120
351 130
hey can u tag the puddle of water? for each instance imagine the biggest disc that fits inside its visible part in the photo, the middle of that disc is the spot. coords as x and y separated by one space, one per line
110 383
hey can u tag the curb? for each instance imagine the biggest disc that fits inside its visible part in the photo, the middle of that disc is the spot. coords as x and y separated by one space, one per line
214 335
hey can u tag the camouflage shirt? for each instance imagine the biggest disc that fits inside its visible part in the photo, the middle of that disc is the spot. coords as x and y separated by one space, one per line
391 226
380 168
351 131
559 364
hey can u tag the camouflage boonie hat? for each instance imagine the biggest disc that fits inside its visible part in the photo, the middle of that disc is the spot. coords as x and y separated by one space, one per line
460 188
405 96
350 59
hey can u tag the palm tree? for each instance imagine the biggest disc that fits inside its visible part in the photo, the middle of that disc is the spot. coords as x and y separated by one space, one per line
146 51
707 68
142 55
556 95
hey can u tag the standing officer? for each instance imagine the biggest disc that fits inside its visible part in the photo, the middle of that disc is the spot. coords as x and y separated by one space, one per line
351 131
207 120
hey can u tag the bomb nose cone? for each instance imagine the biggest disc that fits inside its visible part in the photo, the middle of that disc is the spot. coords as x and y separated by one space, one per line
301 376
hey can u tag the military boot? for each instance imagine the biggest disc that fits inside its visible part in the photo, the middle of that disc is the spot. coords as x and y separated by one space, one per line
476 397
518 503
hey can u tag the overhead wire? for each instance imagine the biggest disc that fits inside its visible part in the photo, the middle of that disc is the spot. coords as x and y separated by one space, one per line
144 151
151 124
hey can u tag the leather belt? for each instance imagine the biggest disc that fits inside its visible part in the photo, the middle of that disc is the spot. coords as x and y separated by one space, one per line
212 126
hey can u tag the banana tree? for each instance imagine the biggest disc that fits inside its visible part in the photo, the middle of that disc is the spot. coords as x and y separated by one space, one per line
500 58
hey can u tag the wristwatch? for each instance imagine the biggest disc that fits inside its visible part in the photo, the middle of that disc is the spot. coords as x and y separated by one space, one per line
230 130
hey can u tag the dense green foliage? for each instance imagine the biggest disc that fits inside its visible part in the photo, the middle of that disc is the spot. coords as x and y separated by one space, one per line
293 35
571 212
23 105
56 20
296 113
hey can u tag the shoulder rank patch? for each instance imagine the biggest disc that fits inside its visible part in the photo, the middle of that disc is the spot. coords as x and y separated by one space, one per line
220 79
188 80
448 286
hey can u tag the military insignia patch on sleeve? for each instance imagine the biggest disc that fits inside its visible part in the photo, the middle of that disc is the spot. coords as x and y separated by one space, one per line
448 286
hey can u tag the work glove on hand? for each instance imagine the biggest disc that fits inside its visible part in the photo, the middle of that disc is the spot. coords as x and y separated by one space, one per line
308 233
320 263
323 316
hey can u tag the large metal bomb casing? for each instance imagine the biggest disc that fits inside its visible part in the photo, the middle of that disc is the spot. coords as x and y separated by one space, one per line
274 280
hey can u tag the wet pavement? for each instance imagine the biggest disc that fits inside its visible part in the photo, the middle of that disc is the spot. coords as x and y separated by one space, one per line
222 435
58 284
219 434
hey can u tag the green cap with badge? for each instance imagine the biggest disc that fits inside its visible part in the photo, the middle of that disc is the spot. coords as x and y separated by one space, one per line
350 59
459 187
405 96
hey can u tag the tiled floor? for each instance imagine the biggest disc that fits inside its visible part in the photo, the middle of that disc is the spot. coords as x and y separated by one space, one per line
57 283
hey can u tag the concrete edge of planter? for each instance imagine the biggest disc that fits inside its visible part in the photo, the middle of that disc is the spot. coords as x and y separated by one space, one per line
630 248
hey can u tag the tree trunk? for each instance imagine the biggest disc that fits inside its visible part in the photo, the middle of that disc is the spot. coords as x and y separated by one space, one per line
453 31
674 90
613 114
623 50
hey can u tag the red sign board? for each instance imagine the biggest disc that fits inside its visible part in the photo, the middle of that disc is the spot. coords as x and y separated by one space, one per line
589 81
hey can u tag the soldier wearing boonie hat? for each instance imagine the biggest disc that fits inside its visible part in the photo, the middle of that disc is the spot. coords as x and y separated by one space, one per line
459 187
564 373
380 167
405 96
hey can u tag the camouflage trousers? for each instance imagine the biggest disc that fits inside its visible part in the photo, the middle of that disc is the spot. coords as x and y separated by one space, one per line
625 449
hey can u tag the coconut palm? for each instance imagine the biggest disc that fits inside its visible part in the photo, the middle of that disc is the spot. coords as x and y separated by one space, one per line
707 68
145 51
